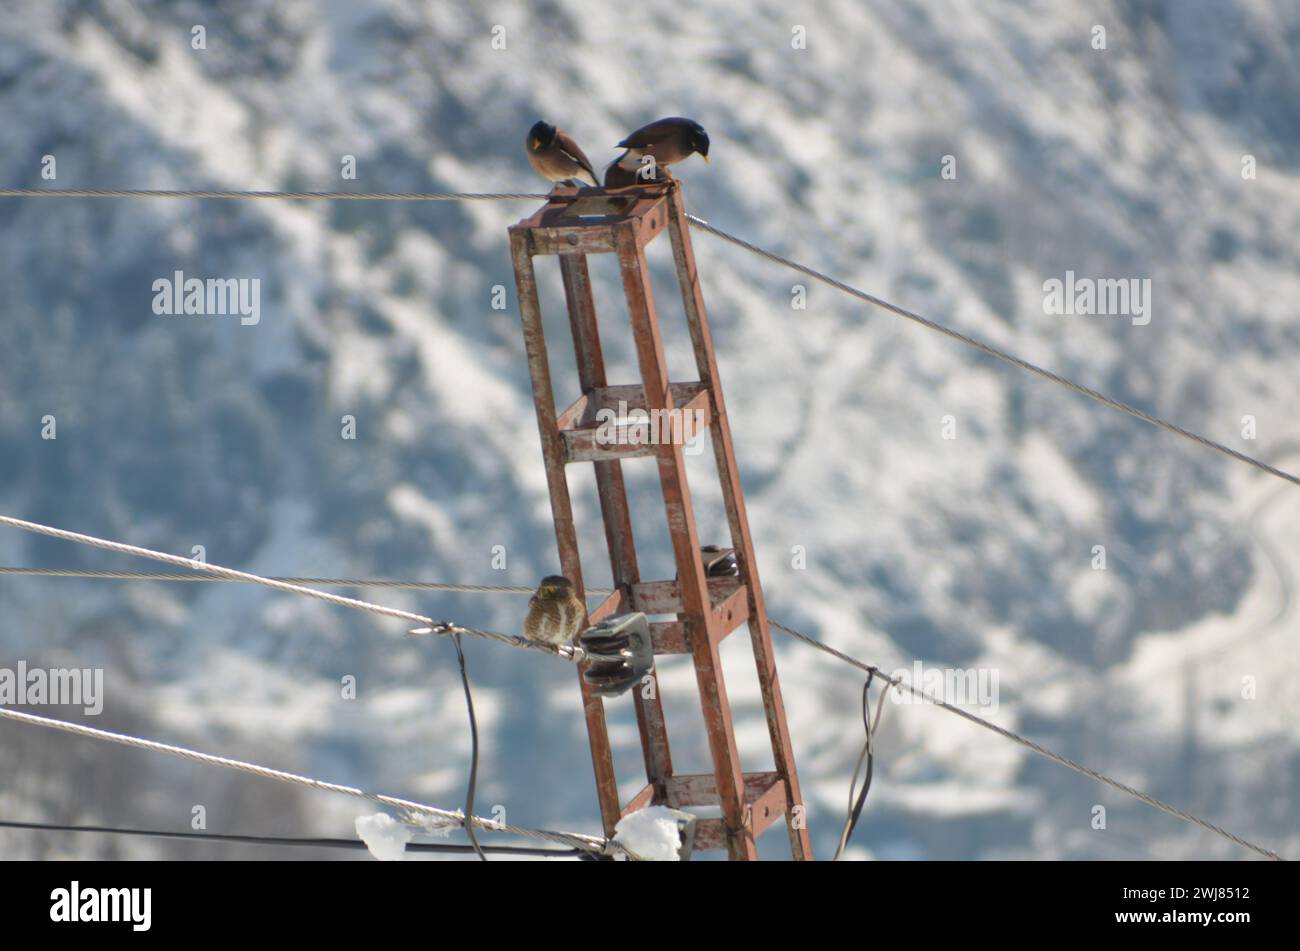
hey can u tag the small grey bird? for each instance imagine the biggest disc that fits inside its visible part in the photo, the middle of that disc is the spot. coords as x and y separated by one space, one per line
667 141
555 614
556 157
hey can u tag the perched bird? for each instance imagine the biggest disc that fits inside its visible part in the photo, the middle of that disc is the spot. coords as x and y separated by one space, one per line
555 614
556 157
720 562
667 141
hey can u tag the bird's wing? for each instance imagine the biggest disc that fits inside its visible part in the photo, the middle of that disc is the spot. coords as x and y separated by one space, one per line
564 142
649 134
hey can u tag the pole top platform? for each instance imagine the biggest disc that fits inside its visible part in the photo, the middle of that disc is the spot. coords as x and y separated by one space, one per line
583 220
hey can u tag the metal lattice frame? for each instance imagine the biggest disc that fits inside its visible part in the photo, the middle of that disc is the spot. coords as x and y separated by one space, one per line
572 225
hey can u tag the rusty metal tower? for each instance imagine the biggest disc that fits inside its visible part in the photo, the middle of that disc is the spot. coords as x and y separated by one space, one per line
622 221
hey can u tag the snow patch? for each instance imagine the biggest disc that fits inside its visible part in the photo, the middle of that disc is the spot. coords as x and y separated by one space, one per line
384 836
651 833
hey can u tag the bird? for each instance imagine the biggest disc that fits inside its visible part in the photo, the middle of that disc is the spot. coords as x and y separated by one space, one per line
720 562
555 613
556 157
666 141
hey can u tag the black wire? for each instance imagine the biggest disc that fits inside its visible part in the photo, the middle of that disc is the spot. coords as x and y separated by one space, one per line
473 760
855 812
871 755
444 847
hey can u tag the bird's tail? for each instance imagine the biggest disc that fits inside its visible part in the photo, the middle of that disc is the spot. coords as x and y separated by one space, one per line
619 173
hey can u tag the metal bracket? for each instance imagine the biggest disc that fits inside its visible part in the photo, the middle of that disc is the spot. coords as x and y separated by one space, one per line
619 652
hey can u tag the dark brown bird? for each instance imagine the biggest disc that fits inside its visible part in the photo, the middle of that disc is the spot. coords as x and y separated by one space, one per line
555 614
666 141
556 157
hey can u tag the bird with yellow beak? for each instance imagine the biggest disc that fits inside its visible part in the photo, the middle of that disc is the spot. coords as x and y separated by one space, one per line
665 142
556 157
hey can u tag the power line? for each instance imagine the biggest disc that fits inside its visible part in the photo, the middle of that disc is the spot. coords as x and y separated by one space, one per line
271 195
861 665
1031 745
410 811
327 582
450 848
291 585
216 570
798 635
703 225
569 652
992 351
230 574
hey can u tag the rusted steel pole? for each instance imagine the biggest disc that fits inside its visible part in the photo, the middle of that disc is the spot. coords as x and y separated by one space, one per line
571 225
697 609
566 538
733 497
614 511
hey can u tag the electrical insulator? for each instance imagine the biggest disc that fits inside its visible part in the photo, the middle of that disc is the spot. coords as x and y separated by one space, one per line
619 653
685 834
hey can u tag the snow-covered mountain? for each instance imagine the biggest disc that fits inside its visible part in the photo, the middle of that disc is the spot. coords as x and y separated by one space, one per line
948 156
